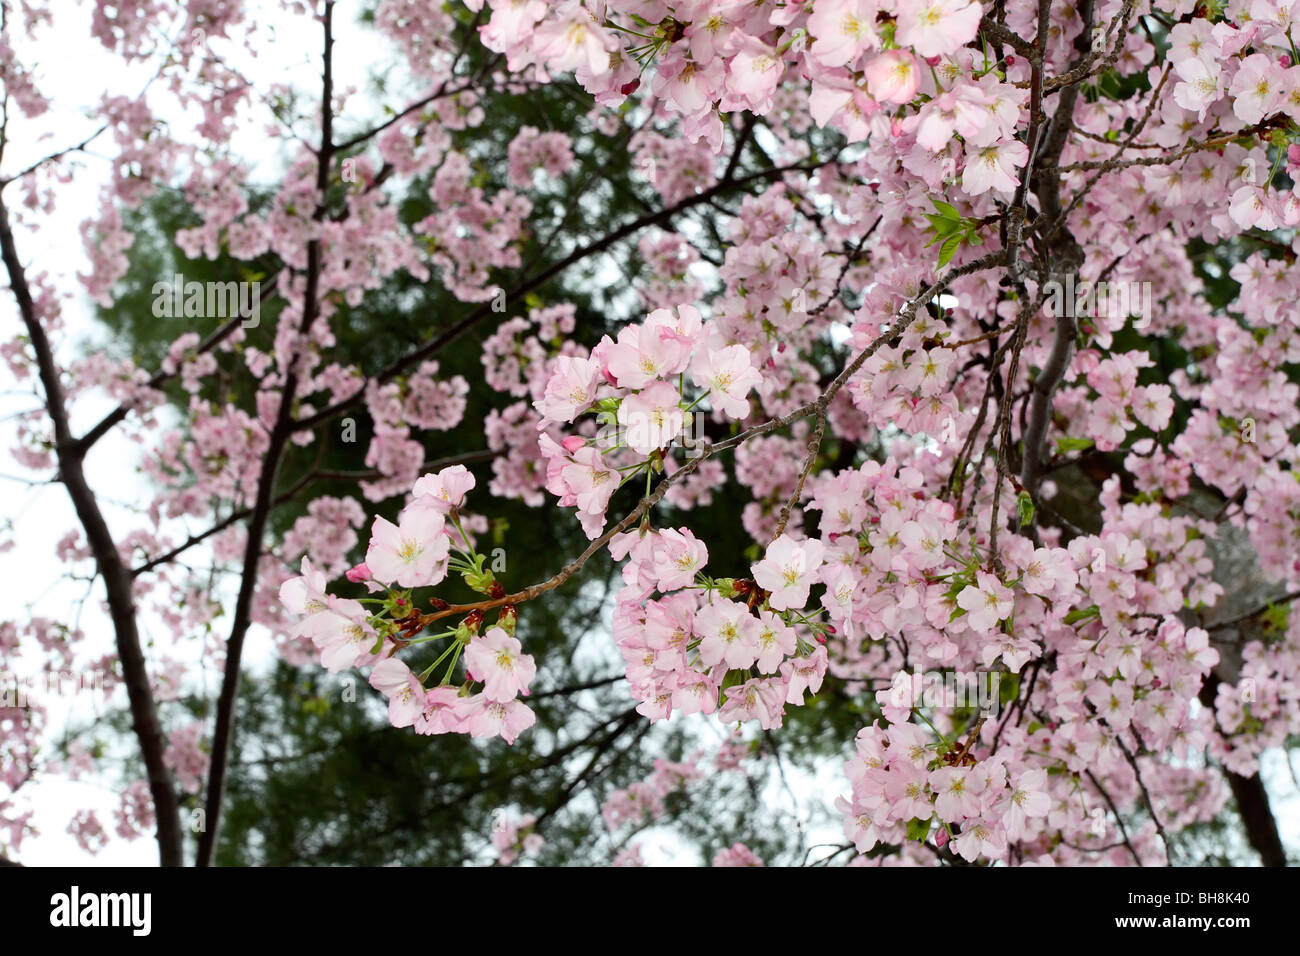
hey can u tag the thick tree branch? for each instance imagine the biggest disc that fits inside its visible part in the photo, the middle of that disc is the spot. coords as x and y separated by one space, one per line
1063 257
1251 797
116 577
280 435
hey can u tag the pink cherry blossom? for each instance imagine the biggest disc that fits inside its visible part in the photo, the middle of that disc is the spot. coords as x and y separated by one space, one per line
937 27
410 554
574 39
406 698
570 390
761 699
677 556
728 634
987 602
1257 88
820 346
893 76
804 674
788 570
728 376
495 659
994 167
652 418
776 640
843 29
446 489
484 717
440 712
957 793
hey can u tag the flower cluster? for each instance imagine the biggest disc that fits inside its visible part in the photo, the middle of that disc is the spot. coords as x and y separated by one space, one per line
418 551
635 384
723 645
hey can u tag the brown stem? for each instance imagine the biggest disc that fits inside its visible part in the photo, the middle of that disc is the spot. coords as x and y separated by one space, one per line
814 445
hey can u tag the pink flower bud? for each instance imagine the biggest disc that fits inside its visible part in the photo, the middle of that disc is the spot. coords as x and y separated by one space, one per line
572 443
359 573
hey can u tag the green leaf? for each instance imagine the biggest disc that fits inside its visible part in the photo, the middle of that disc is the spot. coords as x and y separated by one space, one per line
948 250
946 224
918 829
942 229
1008 689
499 528
1073 444
1276 617
734 678
730 679
945 210
1025 508
1082 614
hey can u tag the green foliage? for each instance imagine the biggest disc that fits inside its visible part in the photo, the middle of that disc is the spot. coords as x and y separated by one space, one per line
1025 508
951 231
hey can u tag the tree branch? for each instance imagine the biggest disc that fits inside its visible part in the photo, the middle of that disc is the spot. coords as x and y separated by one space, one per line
108 561
280 435
1250 795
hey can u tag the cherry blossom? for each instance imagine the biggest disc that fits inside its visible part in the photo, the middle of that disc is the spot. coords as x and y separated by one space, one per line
494 659
788 570
412 553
